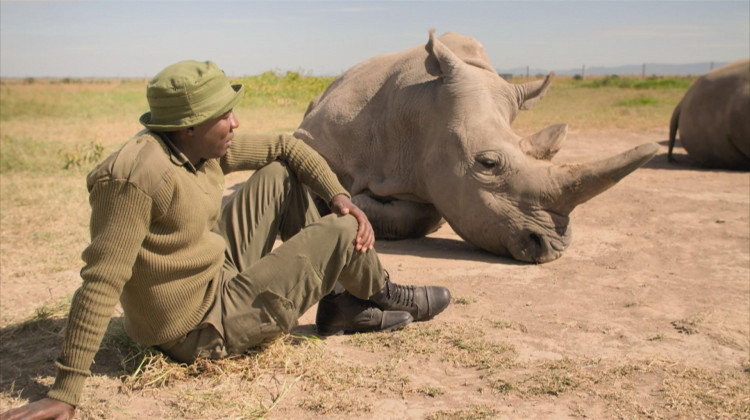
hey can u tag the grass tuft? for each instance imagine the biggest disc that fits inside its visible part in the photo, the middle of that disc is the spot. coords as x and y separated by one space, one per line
639 101
473 412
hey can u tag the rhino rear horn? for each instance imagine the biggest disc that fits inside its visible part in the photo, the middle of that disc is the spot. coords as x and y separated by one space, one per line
529 94
580 182
546 143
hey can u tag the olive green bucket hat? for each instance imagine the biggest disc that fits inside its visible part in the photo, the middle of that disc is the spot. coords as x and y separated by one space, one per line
188 93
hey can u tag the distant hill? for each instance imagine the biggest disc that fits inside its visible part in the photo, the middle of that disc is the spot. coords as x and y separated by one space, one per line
657 69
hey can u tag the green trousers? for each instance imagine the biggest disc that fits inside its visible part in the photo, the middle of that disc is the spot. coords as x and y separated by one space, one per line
262 292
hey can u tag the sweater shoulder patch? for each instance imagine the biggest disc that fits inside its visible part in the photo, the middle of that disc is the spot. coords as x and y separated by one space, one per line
142 161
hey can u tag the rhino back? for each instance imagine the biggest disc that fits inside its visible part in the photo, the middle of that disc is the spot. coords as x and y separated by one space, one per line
373 123
350 122
714 125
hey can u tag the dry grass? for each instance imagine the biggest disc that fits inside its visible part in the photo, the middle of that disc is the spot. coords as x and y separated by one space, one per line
323 383
608 107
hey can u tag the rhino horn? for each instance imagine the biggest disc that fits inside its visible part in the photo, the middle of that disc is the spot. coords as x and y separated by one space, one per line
546 143
580 182
529 94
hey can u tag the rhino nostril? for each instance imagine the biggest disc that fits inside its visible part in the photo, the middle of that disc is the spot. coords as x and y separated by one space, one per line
536 240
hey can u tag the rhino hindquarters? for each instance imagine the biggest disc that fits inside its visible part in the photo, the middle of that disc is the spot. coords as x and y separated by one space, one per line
399 219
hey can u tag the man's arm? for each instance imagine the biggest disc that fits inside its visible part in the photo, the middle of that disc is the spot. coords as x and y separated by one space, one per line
253 151
120 215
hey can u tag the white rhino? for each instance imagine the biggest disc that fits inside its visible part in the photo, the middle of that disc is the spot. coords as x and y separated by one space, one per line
714 118
424 134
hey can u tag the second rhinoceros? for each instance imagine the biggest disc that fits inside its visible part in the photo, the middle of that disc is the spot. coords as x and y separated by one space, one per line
424 135
713 118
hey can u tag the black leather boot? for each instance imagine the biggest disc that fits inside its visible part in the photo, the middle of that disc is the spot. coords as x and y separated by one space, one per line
422 302
343 313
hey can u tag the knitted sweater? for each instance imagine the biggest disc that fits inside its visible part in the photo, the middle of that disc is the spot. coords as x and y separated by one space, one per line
151 241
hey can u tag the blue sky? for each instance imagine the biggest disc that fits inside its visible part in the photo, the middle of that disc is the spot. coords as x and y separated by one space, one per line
98 38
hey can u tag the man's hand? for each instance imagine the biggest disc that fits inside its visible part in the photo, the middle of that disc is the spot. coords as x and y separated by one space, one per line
46 408
341 204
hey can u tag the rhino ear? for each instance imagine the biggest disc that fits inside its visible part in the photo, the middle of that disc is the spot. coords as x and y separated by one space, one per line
529 94
546 143
449 62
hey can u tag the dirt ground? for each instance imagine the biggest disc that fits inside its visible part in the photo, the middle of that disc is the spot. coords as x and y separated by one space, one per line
657 280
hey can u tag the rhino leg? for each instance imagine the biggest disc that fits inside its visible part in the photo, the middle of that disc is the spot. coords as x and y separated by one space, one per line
399 219
674 124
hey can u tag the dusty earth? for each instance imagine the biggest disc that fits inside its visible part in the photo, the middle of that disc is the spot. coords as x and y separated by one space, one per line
657 279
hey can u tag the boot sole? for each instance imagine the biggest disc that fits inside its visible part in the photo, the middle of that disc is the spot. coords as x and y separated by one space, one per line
328 332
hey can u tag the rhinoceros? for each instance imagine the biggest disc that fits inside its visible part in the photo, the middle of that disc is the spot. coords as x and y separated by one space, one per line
424 135
713 118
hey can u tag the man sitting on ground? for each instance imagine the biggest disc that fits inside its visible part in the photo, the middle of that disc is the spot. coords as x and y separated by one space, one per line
196 279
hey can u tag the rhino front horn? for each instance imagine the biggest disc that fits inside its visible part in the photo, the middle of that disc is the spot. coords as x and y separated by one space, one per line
579 183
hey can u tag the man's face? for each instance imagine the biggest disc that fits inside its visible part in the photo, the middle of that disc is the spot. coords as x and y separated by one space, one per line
211 139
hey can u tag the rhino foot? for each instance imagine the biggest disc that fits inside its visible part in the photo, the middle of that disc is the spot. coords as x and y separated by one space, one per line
399 219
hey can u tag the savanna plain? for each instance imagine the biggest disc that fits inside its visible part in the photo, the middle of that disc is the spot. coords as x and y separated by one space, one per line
646 315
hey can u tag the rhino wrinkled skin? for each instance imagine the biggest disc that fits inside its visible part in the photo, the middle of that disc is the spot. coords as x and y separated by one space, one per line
713 118
423 135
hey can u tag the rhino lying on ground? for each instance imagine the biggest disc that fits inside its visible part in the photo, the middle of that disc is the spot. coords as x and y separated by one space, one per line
424 134
714 118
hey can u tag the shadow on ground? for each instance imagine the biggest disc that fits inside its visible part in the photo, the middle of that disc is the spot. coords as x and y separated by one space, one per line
682 161
28 351
442 248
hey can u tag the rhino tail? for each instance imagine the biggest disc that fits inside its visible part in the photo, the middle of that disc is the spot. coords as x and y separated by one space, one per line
673 125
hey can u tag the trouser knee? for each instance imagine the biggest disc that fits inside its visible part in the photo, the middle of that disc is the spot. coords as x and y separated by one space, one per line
342 227
276 172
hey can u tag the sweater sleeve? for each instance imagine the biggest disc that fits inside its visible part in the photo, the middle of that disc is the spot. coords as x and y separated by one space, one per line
120 217
253 151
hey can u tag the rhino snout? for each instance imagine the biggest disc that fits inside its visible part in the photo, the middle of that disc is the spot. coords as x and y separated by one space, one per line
537 247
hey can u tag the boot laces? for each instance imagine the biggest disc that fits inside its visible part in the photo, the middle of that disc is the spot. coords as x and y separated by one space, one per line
403 295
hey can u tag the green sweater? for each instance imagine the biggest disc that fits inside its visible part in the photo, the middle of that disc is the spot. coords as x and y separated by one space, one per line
151 241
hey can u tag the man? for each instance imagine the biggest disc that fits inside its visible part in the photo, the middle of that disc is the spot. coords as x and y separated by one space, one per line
198 280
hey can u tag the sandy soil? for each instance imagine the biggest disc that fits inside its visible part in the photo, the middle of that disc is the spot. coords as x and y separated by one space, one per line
659 269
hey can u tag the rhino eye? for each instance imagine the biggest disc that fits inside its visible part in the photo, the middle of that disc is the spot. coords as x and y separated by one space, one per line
488 162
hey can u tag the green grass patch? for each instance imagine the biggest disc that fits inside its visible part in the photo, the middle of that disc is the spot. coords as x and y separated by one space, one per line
290 89
79 101
23 154
46 156
639 101
637 83
613 105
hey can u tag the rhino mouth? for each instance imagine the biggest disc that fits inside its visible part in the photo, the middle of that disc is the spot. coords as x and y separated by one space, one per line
542 243
542 238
